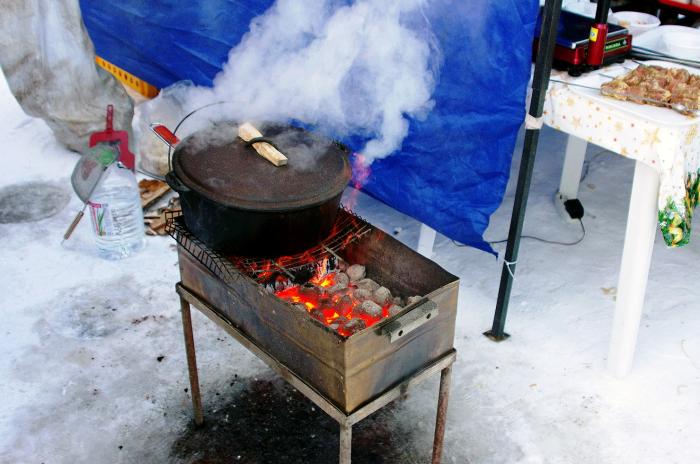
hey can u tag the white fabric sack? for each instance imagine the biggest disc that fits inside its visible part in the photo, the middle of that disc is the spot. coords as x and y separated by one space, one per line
49 62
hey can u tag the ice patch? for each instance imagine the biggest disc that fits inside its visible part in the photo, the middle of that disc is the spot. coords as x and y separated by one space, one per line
31 201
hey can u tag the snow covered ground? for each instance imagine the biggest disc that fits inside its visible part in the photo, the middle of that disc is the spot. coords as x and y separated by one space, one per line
92 366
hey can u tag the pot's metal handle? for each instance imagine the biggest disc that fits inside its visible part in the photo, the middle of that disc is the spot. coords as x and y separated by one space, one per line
424 311
165 134
175 183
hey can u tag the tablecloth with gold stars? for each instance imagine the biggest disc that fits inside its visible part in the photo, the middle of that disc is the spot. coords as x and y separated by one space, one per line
672 150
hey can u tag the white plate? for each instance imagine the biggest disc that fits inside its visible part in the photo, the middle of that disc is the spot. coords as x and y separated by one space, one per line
637 23
656 114
653 41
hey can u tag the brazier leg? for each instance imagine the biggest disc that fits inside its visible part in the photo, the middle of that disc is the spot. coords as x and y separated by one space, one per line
191 361
443 396
345 443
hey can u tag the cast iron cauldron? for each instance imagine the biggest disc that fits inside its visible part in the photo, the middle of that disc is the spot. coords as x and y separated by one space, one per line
237 202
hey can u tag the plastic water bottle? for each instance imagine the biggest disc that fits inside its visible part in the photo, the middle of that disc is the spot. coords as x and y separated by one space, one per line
117 217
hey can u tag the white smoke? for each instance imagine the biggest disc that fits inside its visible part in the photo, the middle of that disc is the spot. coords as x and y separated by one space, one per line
359 69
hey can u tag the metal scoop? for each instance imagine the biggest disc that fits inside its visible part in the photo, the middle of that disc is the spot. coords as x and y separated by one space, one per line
86 177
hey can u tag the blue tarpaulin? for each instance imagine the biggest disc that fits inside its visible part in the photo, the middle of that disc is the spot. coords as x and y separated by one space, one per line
452 170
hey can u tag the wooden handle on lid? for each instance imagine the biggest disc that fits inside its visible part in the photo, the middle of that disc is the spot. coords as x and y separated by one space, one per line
247 132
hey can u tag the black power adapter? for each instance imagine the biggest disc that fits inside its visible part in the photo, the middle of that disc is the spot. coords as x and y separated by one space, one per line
574 208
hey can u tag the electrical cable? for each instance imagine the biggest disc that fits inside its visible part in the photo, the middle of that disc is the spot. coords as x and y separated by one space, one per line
539 239
584 174
544 240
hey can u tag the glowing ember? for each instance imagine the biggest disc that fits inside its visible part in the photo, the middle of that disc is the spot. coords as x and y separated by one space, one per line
344 306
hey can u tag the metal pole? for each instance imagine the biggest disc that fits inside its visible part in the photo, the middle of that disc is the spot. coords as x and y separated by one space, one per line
443 397
540 82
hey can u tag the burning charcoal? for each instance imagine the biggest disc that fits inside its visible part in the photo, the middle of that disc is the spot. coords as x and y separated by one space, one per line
394 310
356 272
325 302
354 325
344 305
362 294
317 314
337 288
308 291
413 299
341 321
381 296
343 278
371 308
398 301
341 283
367 284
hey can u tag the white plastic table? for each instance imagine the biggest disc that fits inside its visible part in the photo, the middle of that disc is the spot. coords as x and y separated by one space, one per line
666 149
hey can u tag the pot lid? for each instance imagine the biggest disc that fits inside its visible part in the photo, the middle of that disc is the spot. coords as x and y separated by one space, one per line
218 165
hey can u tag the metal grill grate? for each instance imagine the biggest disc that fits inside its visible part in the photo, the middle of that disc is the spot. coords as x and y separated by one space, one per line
212 260
347 229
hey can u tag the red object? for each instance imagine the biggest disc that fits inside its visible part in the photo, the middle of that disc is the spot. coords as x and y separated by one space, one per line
110 135
596 44
681 6
165 134
577 56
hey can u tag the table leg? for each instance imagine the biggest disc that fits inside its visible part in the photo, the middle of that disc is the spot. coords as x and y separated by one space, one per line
634 270
570 175
191 361
443 396
574 156
345 443
426 240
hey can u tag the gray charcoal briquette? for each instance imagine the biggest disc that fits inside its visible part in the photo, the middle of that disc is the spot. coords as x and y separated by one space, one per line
356 272
362 294
354 325
367 284
381 296
413 299
342 278
371 308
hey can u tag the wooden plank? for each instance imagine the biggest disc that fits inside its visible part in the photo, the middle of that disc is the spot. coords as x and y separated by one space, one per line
248 132
151 190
